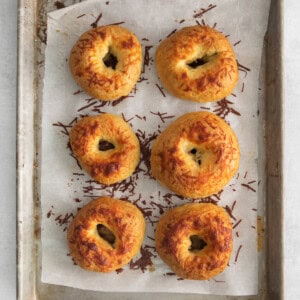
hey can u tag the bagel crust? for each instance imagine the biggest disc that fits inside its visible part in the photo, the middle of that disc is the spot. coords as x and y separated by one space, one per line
174 234
110 165
87 62
197 63
93 252
196 155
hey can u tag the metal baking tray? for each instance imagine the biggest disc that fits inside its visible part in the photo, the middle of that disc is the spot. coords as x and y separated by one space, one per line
31 46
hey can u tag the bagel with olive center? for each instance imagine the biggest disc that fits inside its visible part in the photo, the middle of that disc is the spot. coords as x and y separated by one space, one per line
195 240
196 155
105 147
197 63
106 62
106 234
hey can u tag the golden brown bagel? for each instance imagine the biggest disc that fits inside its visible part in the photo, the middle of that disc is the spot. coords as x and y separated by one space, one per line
106 234
196 155
106 62
195 240
197 63
106 147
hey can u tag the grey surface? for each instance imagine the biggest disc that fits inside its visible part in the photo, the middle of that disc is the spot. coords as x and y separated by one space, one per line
8 48
292 145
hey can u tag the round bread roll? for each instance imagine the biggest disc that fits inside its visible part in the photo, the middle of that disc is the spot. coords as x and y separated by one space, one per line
106 62
106 234
196 155
195 240
197 63
106 147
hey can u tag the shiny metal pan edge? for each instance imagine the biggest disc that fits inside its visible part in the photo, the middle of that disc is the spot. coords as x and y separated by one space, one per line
31 45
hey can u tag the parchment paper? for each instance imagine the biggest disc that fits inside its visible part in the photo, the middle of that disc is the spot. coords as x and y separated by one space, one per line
149 109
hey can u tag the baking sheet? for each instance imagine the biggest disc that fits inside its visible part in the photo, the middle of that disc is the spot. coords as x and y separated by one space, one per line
28 211
149 109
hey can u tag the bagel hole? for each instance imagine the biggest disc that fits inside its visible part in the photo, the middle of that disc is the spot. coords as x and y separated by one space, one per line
198 62
197 243
106 234
105 145
196 155
193 151
110 60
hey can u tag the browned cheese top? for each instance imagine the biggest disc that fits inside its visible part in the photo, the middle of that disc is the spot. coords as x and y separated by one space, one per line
197 63
196 155
207 221
106 62
108 164
93 252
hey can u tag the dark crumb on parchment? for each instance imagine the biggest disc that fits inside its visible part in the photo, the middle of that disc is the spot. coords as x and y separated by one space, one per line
162 116
161 89
77 92
117 23
172 32
144 261
202 11
95 23
248 187
169 274
243 69
237 223
80 16
229 211
59 4
220 281
233 205
118 271
223 108
237 253
86 106
146 57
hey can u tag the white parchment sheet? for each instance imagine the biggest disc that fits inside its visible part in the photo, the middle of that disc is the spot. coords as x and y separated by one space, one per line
149 109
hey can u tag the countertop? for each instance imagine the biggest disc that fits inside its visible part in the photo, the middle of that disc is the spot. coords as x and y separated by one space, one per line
8 63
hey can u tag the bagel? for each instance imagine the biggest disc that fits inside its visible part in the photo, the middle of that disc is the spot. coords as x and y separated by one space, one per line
196 155
106 62
106 234
197 63
105 147
195 240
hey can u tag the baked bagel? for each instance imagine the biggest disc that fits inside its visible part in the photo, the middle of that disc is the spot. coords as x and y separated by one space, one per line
106 62
106 147
197 63
106 234
196 155
195 240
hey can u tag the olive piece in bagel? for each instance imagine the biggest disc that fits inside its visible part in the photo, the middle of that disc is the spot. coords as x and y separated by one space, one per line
196 155
106 62
195 240
197 63
106 147
106 234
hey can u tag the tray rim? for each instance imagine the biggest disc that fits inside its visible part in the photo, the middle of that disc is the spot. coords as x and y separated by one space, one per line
27 157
